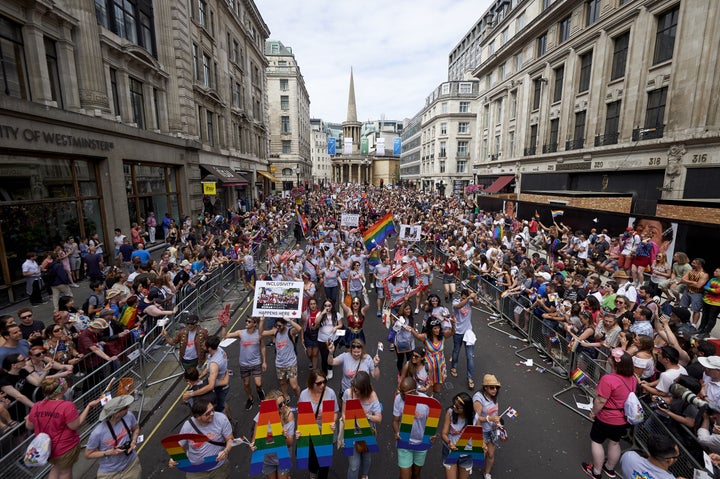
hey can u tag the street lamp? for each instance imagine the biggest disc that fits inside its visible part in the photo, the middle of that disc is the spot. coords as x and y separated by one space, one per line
297 173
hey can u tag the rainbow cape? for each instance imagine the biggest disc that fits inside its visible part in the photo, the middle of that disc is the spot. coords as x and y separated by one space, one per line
376 234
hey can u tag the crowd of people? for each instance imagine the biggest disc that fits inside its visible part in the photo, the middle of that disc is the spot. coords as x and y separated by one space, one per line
609 294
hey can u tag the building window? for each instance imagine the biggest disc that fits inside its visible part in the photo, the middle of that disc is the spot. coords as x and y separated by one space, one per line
137 101
533 139
114 92
501 72
156 106
518 62
461 166
491 48
13 74
579 133
497 146
206 76
286 147
499 110
504 36
655 113
443 128
665 37
513 105
284 84
541 45
564 30
465 88
443 150
537 91
612 123
511 144
486 116
546 4
285 124
464 107
559 76
463 127
130 19
462 149
585 70
442 167
284 102
202 13
620 51
520 22
592 11
51 60
445 89
444 107
237 95
235 51
554 132
210 129
196 62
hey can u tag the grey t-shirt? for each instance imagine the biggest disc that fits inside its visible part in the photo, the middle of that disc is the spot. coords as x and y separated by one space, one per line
216 431
462 317
420 417
250 348
284 350
101 439
634 465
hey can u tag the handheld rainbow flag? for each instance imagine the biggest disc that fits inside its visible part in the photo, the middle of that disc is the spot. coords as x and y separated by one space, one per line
376 234
578 376
178 454
556 213
512 413
303 222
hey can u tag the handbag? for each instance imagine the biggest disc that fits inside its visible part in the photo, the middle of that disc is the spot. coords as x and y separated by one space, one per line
38 451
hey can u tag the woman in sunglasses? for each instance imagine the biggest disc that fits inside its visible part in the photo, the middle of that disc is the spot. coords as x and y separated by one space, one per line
355 317
353 362
418 371
433 339
459 415
317 393
361 389
487 415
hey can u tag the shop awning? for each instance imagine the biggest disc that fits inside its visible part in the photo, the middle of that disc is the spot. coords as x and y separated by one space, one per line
226 176
499 184
267 175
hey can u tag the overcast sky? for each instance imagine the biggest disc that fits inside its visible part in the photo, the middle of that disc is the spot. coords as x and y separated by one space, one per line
398 50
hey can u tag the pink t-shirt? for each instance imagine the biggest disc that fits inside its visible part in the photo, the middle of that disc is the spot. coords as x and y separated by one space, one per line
52 418
616 389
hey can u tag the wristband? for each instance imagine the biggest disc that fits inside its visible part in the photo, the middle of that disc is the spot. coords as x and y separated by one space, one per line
487 418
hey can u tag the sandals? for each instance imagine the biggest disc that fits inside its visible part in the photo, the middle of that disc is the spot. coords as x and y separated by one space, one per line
471 384
453 372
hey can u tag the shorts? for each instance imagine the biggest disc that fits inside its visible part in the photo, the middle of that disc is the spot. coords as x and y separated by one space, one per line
131 471
407 458
67 460
641 261
693 300
311 341
75 263
449 279
464 461
601 431
411 281
250 276
380 290
269 469
250 371
287 373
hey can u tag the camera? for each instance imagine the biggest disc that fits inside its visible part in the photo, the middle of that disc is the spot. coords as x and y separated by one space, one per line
124 447
658 402
680 391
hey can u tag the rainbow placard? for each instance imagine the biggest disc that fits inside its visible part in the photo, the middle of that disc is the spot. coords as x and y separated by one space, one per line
179 455
471 443
408 416
269 438
320 436
357 428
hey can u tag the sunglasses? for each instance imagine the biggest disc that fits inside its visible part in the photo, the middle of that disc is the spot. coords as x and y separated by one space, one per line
356 346
37 355
416 356
57 330
26 316
491 387
320 383
209 413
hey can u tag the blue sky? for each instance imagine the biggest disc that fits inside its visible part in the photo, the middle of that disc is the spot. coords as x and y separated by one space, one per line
398 50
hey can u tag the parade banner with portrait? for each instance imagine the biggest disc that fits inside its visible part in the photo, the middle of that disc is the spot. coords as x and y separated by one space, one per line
410 232
277 299
660 231
399 272
349 219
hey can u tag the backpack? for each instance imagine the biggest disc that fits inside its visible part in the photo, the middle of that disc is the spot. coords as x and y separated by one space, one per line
643 250
634 412
38 451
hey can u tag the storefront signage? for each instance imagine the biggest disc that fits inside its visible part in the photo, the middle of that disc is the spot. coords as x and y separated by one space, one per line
57 139
209 188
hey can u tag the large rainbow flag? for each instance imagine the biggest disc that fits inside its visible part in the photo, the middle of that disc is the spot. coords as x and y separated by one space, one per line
376 234
302 221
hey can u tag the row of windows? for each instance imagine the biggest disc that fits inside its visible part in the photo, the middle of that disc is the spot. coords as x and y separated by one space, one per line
129 19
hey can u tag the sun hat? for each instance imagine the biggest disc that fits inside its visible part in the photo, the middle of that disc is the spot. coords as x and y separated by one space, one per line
620 274
115 405
185 263
490 380
98 323
710 362
106 312
111 293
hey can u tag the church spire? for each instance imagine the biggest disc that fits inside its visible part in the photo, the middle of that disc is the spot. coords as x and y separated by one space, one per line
352 109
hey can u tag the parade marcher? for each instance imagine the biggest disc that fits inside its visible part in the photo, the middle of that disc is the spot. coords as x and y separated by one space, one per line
410 461
459 415
353 362
216 426
463 334
310 326
330 321
487 415
355 318
380 272
252 357
114 441
316 393
404 340
217 374
417 369
285 357
271 464
361 388
191 341
433 339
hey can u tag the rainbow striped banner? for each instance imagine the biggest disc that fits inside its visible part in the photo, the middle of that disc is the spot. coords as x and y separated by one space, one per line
556 213
470 443
269 438
578 376
408 416
357 428
321 436
376 234
179 455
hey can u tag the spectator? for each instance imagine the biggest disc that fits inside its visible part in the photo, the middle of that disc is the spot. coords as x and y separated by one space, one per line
96 300
95 264
58 280
141 253
711 375
663 453
668 358
94 354
151 223
14 384
695 280
709 431
672 287
33 279
31 328
14 342
711 303
625 288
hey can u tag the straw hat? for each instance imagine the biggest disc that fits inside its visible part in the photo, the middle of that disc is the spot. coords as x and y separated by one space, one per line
490 380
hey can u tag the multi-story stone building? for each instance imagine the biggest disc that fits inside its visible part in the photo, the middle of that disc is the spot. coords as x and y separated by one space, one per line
319 156
289 117
110 110
410 153
586 98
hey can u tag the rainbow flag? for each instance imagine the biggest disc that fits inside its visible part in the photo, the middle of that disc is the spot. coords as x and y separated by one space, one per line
498 232
177 452
471 442
556 213
376 234
302 221
512 413
578 377
373 259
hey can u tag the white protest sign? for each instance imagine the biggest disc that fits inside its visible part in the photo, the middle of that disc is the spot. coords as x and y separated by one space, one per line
349 219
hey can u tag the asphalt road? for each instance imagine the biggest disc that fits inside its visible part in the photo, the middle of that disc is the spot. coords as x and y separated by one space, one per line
546 440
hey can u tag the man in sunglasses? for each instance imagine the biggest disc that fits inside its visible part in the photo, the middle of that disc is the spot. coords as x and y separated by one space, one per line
663 453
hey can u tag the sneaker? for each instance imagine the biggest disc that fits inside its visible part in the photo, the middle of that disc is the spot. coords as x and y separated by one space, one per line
379 314
417 310
248 404
609 472
488 476
330 374
392 347
588 469
261 394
